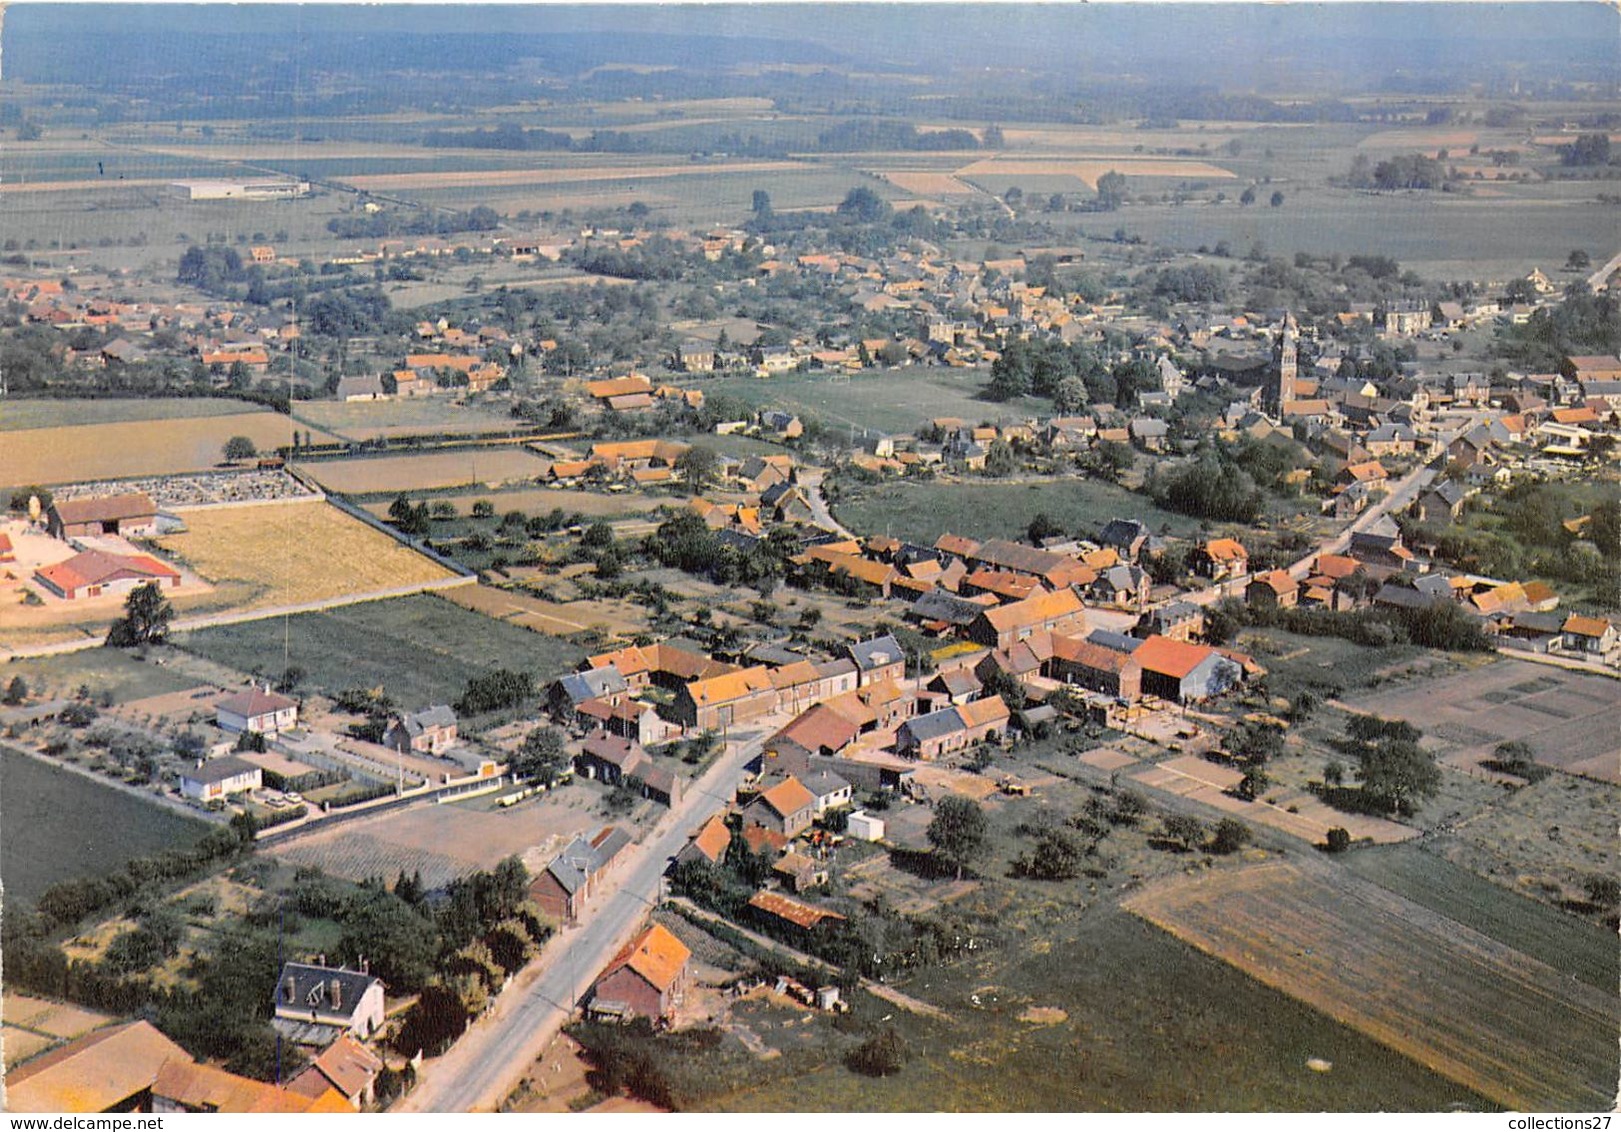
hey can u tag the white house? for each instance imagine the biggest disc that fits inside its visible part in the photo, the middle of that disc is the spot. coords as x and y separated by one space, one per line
349 1001
257 709
218 778
829 790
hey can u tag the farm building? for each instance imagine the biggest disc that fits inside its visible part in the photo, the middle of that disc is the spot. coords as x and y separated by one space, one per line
1049 612
132 514
1103 662
95 573
864 827
1179 671
257 709
239 190
563 887
432 731
779 911
941 732
345 1067
330 998
219 778
721 701
647 979
709 844
107 1070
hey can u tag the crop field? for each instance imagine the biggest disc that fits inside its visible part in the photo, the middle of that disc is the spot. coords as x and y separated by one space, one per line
1582 950
1088 171
408 182
290 553
1568 718
366 420
886 401
1101 1012
15 415
421 649
426 472
66 453
923 511
926 184
107 826
102 671
444 842
1440 235
1483 1014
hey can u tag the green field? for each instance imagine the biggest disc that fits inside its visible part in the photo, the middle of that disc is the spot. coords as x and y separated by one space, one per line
60 825
1438 234
103 671
923 511
1152 1025
422 650
17 415
887 401
1583 950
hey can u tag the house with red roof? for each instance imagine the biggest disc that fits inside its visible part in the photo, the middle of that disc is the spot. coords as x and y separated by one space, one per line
1184 672
646 979
96 573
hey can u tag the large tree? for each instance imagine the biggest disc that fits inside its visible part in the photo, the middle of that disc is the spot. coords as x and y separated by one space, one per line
698 466
1399 774
957 832
542 755
147 614
240 448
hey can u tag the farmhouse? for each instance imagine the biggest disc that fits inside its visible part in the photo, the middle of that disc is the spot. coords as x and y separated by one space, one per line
877 660
563 887
257 709
334 997
721 701
951 729
220 778
647 979
430 732
1274 589
132 514
95 573
787 808
709 844
610 758
1049 612
345 1067
1220 558
1095 664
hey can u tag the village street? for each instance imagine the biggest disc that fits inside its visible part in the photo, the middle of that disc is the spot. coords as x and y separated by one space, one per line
483 1067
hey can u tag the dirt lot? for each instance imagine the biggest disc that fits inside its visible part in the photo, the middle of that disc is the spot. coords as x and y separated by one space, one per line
364 420
491 466
135 448
1478 1012
445 842
556 619
1567 717
288 553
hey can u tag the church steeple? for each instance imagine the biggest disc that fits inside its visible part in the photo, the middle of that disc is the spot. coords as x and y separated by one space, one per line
1286 358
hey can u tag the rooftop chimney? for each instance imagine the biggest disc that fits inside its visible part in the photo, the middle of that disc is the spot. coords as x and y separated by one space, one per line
336 994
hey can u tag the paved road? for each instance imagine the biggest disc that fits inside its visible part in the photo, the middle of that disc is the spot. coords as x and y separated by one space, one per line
820 514
483 1068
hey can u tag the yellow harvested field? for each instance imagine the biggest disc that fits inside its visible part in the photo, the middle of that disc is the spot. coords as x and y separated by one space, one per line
1420 139
57 1019
135 448
928 184
467 466
391 182
1474 1010
292 553
1090 170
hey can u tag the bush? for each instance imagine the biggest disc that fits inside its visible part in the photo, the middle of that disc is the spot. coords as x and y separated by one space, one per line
880 1055
1231 836
1339 840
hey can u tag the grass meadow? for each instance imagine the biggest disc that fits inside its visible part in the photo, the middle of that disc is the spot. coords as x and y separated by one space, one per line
422 650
